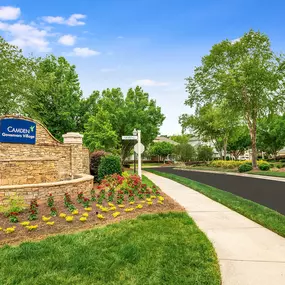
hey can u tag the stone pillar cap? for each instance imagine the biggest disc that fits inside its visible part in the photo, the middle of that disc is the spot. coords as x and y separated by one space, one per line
72 138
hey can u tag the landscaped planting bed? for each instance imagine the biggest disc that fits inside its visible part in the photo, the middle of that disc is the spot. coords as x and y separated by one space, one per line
116 198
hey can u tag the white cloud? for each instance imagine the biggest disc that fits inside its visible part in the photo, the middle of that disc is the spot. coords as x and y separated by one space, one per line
106 70
26 36
120 37
9 13
52 20
84 52
67 40
73 20
149 82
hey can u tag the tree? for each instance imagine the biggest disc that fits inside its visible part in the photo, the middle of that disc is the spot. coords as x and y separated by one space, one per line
182 139
245 75
161 149
15 79
56 99
271 134
239 141
204 153
185 152
123 115
211 123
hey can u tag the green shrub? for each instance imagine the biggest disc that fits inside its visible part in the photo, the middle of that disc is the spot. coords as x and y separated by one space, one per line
244 167
109 164
264 166
95 159
279 165
204 153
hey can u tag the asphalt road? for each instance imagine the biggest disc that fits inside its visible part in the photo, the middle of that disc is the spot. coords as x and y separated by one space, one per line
265 192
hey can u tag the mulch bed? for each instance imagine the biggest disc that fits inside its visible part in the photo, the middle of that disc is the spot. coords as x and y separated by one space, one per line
61 226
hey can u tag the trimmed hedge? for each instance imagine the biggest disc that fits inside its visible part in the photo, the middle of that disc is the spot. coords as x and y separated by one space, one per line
244 168
109 165
231 164
264 166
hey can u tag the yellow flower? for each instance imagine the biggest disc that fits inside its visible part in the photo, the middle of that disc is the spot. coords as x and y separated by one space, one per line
50 223
46 219
112 208
149 203
116 214
129 209
88 209
9 230
25 223
160 198
139 206
62 215
103 209
85 215
148 199
75 212
153 197
142 202
100 216
98 205
1 229
69 219
132 203
31 228
160 202
121 206
111 204
83 219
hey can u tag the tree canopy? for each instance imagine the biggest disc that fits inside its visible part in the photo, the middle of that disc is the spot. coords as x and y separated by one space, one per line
245 76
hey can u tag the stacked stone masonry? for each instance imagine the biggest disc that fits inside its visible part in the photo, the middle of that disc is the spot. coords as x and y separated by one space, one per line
48 160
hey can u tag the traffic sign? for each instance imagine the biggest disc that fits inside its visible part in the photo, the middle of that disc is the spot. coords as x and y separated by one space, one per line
141 149
129 138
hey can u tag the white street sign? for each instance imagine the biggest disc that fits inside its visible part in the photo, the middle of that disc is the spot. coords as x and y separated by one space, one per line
129 137
136 148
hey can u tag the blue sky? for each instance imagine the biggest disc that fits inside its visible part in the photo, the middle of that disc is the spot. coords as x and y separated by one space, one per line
153 43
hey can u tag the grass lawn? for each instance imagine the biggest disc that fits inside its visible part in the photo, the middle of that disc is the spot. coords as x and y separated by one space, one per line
152 249
260 214
268 173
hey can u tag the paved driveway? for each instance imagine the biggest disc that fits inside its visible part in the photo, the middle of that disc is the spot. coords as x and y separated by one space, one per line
269 193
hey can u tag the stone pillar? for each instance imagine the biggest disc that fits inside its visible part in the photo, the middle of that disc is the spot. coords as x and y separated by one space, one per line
75 142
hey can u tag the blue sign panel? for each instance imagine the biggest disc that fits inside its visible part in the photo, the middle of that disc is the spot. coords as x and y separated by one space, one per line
17 131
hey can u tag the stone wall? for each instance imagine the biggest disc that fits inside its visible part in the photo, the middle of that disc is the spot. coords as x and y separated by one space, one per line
40 191
26 171
71 158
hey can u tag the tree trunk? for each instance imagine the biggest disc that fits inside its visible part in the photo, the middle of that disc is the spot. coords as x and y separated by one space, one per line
253 144
225 148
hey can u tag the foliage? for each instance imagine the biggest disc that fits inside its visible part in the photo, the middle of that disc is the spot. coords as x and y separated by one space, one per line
204 153
95 159
114 115
239 141
231 164
264 166
245 167
244 76
15 204
271 134
50 200
161 149
16 79
109 164
181 139
185 152
34 210
56 96
68 202
211 123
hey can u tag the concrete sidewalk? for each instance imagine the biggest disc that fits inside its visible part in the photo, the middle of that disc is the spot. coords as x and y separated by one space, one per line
248 253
